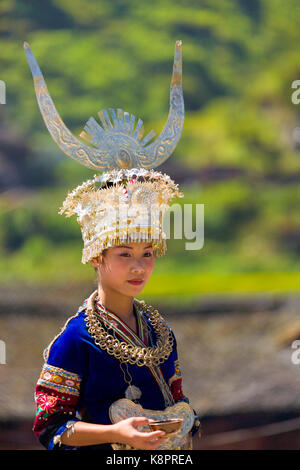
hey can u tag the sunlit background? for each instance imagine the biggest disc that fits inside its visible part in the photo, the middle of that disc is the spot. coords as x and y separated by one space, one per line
234 304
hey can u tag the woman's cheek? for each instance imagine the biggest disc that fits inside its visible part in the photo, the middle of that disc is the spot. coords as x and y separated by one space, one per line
150 266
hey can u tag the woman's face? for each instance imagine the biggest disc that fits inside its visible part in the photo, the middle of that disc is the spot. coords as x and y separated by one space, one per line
124 263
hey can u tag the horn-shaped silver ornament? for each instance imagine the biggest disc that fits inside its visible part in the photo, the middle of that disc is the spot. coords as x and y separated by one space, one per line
115 144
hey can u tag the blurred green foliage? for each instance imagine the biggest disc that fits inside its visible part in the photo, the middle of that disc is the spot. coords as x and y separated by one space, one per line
240 58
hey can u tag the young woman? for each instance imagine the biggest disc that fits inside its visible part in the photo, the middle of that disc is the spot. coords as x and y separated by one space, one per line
114 366
80 381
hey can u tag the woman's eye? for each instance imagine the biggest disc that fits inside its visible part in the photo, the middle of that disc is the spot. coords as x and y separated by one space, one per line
148 254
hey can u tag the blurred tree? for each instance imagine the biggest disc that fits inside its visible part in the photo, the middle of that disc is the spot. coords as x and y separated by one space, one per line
238 154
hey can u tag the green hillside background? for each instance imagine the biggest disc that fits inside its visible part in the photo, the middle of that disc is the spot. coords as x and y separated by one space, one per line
238 155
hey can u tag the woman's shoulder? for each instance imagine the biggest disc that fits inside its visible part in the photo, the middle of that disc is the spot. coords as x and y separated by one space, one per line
69 337
154 317
65 358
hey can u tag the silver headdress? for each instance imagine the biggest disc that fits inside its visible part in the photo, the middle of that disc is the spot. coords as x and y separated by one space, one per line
132 198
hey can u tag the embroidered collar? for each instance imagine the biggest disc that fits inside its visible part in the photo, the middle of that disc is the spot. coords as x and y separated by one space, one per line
112 320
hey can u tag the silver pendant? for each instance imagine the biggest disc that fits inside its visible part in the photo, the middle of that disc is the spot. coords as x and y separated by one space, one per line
133 393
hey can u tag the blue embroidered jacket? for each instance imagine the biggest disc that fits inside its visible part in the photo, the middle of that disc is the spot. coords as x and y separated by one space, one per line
80 381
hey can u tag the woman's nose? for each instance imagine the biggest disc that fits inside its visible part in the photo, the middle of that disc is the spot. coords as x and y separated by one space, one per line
138 268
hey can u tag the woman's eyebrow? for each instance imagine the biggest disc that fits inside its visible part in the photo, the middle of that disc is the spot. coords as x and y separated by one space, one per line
130 248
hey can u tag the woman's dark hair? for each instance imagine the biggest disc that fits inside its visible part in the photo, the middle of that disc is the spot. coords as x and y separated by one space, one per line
103 255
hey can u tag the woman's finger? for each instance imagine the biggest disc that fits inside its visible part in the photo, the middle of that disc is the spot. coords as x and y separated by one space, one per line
153 434
139 420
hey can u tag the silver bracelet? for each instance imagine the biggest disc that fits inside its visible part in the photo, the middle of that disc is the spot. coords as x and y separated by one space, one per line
69 431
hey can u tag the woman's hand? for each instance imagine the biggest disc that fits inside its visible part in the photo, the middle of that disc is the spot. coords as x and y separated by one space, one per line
126 432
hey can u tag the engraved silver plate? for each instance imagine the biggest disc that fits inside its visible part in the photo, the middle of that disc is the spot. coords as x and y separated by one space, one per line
124 408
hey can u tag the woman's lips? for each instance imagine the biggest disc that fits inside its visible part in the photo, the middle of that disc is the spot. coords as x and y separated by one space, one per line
136 282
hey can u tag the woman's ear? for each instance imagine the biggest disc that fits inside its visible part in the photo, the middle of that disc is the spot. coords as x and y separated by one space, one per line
98 260
95 262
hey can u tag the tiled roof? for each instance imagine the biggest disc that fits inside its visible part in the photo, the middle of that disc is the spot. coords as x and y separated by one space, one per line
231 362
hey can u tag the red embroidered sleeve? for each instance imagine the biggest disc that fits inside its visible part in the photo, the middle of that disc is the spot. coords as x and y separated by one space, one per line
56 393
175 384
